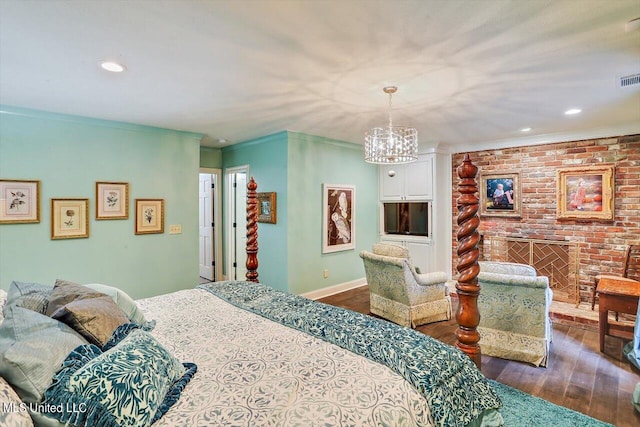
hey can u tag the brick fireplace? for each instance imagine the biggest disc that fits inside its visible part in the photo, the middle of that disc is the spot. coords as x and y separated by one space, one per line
558 260
593 246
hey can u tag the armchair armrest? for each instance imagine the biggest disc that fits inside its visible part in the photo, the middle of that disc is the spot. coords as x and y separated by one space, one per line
436 277
512 280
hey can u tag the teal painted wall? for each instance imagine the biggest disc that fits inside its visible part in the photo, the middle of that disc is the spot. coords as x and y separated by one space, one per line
267 161
210 157
296 165
314 161
68 155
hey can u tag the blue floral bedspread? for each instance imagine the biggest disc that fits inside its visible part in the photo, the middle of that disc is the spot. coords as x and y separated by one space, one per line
456 390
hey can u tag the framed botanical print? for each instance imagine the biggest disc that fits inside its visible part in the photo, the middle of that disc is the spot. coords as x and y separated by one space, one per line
69 218
112 200
500 194
267 207
149 216
338 217
585 192
19 201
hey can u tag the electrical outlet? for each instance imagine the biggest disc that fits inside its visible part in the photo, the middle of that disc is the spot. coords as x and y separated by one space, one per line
175 229
325 273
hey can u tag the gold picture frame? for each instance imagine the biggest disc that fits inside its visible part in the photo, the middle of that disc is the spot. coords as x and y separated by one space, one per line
585 192
149 216
19 201
112 200
267 208
69 218
500 194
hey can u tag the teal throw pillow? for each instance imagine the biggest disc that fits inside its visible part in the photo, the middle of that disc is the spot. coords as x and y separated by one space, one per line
132 384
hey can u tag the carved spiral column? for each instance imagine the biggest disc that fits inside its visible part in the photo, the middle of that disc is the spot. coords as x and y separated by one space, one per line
467 286
252 231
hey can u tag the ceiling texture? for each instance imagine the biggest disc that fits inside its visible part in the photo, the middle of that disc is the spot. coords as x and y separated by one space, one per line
470 73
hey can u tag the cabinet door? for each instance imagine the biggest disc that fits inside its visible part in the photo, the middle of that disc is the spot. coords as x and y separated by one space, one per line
419 179
392 187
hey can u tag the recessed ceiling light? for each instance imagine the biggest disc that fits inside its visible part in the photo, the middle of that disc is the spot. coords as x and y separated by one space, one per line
525 130
114 67
573 111
222 141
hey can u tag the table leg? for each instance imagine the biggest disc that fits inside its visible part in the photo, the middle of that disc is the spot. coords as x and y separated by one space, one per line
603 323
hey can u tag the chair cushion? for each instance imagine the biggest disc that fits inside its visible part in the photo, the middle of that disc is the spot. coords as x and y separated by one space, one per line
387 249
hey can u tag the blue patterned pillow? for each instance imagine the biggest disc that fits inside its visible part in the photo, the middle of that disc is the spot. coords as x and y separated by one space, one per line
133 383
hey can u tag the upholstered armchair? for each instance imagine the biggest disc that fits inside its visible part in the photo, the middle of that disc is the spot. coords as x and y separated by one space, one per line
514 312
398 293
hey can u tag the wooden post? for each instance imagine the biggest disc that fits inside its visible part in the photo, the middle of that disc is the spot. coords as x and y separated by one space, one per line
252 231
467 286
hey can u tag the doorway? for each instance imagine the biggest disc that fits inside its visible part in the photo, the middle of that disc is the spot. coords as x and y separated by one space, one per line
236 224
209 221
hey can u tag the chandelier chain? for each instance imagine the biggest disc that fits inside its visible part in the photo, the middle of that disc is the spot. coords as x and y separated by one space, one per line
390 120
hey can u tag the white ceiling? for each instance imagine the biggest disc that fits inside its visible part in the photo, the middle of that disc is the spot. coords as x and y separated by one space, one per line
471 73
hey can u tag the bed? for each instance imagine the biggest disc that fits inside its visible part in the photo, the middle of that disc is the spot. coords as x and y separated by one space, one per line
235 353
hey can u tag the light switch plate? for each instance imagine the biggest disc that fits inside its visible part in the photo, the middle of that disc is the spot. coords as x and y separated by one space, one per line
175 229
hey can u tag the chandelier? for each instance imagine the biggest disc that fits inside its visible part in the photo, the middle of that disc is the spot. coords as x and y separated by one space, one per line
391 144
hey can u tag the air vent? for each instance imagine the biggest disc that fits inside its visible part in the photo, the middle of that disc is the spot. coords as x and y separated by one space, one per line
632 80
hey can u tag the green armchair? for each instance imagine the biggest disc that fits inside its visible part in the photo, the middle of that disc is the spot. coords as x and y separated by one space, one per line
514 312
398 293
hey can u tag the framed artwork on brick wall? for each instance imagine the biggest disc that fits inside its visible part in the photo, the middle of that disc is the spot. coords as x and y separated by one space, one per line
585 192
500 194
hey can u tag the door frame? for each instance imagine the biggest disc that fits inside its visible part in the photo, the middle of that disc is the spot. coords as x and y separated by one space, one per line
217 220
230 207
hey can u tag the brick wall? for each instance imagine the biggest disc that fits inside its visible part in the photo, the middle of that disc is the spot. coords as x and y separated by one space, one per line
601 242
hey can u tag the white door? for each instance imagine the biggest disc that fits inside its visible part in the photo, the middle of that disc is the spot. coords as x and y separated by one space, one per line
236 222
207 264
241 226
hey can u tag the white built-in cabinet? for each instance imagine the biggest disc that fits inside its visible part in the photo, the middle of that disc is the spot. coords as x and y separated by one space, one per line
416 182
410 182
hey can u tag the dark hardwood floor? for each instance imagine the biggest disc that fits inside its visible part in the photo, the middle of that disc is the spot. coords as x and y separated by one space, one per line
578 376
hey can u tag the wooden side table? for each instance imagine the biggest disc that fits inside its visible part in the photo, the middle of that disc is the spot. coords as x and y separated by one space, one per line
621 296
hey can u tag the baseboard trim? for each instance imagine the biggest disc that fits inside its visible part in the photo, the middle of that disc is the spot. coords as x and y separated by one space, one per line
335 289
